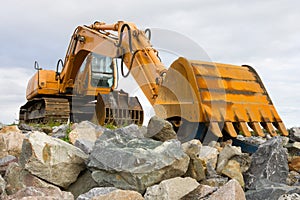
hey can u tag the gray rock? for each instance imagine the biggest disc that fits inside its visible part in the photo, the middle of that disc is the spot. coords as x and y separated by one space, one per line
131 129
2 185
26 128
96 192
225 155
132 163
85 145
18 178
52 159
34 193
160 129
294 134
253 139
209 155
196 170
293 196
83 184
5 161
268 190
268 162
230 191
171 189
293 148
201 192
60 131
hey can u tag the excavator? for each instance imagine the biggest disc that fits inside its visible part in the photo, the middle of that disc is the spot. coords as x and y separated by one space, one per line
201 99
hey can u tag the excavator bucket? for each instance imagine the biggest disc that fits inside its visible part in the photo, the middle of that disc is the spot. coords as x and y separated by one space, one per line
118 108
230 99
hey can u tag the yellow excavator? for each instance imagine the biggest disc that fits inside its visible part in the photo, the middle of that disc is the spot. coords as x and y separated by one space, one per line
201 99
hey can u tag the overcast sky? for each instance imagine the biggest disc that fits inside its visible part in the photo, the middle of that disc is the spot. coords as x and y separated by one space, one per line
263 34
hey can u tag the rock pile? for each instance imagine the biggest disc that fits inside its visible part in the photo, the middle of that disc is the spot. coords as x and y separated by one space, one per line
142 163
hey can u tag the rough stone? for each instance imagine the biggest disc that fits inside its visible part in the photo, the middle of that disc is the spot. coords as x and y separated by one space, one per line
5 161
294 163
52 159
60 131
293 179
245 161
85 130
227 152
34 193
233 170
293 196
97 191
2 185
18 178
132 163
268 162
160 129
293 148
209 155
196 169
253 139
171 189
25 128
230 191
294 134
120 194
83 184
85 145
268 190
11 139
215 182
201 192
132 130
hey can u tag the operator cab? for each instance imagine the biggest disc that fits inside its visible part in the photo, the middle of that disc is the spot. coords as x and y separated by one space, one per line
96 75
102 71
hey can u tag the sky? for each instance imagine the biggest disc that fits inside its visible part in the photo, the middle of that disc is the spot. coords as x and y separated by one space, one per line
263 34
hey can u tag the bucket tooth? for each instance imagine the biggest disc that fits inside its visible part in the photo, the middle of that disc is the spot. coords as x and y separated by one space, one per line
269 127
280 126
215 129
244 129
256 127
229 128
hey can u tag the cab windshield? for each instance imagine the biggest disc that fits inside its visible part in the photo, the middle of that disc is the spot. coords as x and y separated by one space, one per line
102 71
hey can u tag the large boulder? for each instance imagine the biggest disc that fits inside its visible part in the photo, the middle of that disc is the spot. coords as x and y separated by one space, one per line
110 193
268 190
230 191
4 163
18 178
209 156
35 193
196 169
268 162
201 192
11 139
86 131
227 152
171 189
132 163
233 170
160 129
52 159
83 184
